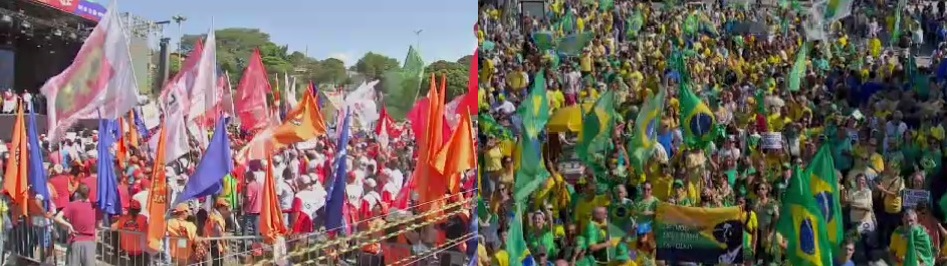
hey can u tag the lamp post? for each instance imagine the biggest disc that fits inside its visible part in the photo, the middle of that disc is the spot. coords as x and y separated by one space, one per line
179 20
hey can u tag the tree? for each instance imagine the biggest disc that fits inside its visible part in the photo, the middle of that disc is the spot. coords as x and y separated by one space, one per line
374 66
457 77
235 45
465 60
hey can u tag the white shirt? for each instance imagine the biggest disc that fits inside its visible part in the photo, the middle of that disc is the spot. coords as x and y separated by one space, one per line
284 193
354 193
312 200
143 197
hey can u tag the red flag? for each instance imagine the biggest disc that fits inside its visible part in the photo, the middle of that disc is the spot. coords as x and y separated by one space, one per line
15 181
386 125
469 103
458 155
271 218
250 104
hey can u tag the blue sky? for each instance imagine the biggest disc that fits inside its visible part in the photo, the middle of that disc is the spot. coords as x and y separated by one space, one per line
343 29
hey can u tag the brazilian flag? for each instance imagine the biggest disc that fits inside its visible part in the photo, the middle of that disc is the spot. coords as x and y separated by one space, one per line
803 226
696 118
823 185
597 126
534 112
646 127
515 243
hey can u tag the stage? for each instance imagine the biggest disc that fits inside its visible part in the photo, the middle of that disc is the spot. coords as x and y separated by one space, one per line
7 121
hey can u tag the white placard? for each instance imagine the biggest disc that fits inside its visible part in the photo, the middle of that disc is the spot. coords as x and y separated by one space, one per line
911 197
772 140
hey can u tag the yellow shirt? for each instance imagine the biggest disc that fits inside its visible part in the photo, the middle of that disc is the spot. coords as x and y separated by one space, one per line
584 208
501 258
494 160
586 63
777 122
556 99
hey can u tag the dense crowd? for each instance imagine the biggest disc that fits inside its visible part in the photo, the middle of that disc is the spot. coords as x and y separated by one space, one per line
856 91
224 229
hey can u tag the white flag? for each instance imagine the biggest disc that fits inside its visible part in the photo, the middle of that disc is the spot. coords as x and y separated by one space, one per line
203 96
100 82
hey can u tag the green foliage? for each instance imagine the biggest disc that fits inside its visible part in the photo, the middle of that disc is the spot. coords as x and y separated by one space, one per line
374 65
235 45
456 77
401 84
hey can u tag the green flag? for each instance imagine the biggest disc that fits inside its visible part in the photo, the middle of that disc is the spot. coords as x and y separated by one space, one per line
574 44
606 5
919 247
798 68
515 243
413 63
534 111
532 172
646 127
802 226
896 34
823 186
597 125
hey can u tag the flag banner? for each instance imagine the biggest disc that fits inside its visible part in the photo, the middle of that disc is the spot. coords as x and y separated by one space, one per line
362 104
207 179
108 200
15 182
202 91
699 235
99 81
250 104
37 172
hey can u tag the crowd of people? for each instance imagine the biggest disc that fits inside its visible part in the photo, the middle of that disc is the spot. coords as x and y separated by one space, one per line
857 91
224 229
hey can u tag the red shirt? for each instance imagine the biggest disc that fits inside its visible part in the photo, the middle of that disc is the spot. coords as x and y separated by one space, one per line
303 223
91 181
124 197
77 213
254 196
61 184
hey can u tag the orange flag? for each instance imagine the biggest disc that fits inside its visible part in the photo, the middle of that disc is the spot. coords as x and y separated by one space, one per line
133 137
303 123
122 152
158 197
430 185
271 218
458 155
15 180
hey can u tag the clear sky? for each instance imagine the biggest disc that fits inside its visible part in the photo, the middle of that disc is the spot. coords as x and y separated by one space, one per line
343 29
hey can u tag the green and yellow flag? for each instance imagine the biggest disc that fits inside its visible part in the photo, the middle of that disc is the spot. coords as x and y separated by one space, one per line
697 120
802 225
534 111
646 129
823 186
515 243
531 172
597 126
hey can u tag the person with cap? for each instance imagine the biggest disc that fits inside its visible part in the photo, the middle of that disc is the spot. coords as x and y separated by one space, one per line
182 235
132 228
81 225
215 227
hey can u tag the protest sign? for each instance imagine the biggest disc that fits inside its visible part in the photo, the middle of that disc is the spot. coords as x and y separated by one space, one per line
699 235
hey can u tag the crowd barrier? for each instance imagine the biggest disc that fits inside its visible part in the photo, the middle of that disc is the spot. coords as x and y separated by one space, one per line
41 243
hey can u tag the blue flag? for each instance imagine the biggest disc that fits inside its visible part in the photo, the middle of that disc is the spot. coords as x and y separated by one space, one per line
37 173
315 92
208 177
140 125
106 184
336 198
475 229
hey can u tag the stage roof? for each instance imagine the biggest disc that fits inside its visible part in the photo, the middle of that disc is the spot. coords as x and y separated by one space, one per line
88 9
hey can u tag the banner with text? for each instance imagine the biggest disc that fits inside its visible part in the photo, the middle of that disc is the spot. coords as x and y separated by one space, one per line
699 235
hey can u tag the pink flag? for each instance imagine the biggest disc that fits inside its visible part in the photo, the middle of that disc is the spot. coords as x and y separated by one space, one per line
100 82
469 103
250 103
190 62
